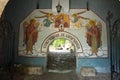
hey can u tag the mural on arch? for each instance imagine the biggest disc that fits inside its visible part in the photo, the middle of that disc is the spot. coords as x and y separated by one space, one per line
86 26
62 21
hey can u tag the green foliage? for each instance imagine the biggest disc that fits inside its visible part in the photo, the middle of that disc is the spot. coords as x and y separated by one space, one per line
59 42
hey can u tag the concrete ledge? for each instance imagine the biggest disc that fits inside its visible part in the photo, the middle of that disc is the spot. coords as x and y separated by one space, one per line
99 76
87 71
29 70
35 70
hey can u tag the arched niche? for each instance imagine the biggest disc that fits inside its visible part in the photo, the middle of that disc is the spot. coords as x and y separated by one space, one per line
67 35
61 45
1 45
6 42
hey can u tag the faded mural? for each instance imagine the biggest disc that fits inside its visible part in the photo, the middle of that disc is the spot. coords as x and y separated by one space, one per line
84 27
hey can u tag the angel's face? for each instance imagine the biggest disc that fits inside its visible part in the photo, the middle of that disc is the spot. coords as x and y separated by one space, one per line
51 14
74 15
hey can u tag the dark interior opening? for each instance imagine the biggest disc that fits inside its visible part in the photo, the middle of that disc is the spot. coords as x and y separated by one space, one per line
61 55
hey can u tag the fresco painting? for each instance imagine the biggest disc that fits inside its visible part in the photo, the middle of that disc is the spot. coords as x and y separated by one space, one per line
86 26
93 36
77 21
62 21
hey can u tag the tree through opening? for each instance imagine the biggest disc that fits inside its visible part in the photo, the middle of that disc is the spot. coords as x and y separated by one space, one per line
61 55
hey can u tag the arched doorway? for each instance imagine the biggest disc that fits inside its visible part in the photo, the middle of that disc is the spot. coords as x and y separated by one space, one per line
6 43
1 45
61 55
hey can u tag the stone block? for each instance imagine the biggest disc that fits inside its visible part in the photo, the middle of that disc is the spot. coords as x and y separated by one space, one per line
30 70
87 71
35 70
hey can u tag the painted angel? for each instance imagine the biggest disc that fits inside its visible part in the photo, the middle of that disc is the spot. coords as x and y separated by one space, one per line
48 18
30 34
78 19
93 36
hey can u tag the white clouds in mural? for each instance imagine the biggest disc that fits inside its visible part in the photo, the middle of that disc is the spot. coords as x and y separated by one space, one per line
87 28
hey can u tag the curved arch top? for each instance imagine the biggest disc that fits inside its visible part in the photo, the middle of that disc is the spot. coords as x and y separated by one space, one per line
64 34
65 25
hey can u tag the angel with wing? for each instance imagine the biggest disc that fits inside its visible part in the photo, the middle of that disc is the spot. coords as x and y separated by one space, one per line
30 35
48 18
78 19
